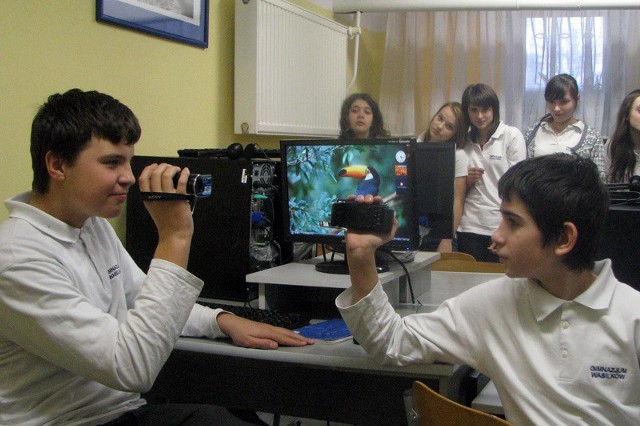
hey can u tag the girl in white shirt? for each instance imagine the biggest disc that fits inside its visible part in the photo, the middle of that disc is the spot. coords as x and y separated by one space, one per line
492 148
448 125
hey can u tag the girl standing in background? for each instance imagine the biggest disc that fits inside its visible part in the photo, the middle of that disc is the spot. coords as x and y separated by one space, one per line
448 125
360 118
560 131
622 150
492 148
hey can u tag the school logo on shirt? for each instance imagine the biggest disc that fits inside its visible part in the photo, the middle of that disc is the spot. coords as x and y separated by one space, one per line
495 157
608 373
114 271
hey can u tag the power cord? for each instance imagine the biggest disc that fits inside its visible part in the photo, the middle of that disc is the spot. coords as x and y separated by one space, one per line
406 272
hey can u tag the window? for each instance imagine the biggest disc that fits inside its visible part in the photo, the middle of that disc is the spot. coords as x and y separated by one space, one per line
567 44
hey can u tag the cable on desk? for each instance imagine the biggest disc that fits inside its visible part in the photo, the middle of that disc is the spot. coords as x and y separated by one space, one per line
406 272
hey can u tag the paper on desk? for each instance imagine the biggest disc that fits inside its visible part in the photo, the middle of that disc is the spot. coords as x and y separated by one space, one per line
332 330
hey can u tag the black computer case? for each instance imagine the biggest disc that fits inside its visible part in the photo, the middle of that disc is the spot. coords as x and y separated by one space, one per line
621 244
223 246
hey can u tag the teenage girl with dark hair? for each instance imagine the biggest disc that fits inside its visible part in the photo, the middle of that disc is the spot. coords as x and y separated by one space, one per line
360 118
559 130
492 148
622 150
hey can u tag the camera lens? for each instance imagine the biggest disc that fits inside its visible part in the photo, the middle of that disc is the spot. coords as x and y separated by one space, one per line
198 185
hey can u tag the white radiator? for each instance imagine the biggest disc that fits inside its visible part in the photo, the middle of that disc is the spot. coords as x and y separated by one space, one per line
290 70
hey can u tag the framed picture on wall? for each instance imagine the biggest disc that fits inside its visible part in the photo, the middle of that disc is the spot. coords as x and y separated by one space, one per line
186 21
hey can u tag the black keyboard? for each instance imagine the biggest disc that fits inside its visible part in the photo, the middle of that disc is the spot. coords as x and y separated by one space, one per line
204 152
290 320
224 153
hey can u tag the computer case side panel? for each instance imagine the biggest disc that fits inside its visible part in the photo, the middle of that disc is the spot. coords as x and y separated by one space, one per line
219 248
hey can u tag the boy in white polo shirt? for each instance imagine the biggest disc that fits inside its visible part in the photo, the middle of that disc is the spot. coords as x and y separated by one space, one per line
559 335
83 329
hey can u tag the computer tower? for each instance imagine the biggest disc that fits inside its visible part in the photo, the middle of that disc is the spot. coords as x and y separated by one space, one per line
223 246
621 244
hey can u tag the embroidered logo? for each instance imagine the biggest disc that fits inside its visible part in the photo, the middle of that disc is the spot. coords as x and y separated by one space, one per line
114 271
495 157
608 373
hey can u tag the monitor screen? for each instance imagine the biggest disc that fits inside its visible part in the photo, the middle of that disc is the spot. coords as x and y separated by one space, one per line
434 190
317 173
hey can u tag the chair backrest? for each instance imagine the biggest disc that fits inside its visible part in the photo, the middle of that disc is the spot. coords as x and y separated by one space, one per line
433 409
456 255
467 266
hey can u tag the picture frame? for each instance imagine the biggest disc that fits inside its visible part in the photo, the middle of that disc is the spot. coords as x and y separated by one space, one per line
185 21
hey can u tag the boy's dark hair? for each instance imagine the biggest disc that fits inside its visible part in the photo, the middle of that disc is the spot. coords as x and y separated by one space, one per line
559 188
377 129
66 123
482 96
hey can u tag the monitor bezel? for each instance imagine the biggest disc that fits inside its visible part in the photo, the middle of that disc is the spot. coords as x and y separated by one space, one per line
434 167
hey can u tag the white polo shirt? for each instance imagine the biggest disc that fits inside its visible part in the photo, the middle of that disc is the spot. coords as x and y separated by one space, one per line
553 361
506 147
547 141
84 330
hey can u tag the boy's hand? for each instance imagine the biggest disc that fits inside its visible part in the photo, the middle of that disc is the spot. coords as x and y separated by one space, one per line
172 218
360 249
251 334
364 241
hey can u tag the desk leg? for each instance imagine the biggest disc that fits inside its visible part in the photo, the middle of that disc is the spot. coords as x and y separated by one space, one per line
443 386
262 300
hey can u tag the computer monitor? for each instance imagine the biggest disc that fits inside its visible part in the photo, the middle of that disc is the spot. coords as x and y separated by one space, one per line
434 165
317 173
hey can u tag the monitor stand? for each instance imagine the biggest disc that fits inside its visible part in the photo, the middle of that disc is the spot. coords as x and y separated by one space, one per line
333 267
341 266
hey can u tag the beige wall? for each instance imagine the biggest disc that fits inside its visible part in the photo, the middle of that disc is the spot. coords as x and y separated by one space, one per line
182 94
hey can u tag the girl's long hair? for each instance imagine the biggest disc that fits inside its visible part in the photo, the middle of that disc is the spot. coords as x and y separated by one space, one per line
621 150
377 129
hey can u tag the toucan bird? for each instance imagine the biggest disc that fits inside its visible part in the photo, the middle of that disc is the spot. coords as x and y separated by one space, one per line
369 179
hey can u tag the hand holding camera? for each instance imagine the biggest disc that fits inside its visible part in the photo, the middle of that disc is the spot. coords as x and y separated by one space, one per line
197 186
173 219
364 217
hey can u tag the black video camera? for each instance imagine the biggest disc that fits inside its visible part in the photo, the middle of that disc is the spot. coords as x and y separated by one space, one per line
362 217
198 185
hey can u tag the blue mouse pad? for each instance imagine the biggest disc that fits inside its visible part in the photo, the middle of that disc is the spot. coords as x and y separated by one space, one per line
332 329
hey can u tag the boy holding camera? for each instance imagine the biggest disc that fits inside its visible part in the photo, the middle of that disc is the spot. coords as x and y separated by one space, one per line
84 330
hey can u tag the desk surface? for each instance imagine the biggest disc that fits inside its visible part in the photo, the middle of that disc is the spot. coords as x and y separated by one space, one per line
445 284
346 354
335 382
299 274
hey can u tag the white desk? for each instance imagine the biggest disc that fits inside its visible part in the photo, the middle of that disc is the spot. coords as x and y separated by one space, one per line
337 382
346 355
305 275
488 400
445 285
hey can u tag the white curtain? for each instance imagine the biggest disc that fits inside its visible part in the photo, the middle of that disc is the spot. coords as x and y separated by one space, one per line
430 57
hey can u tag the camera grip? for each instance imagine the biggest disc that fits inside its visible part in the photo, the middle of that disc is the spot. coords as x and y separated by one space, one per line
362 217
